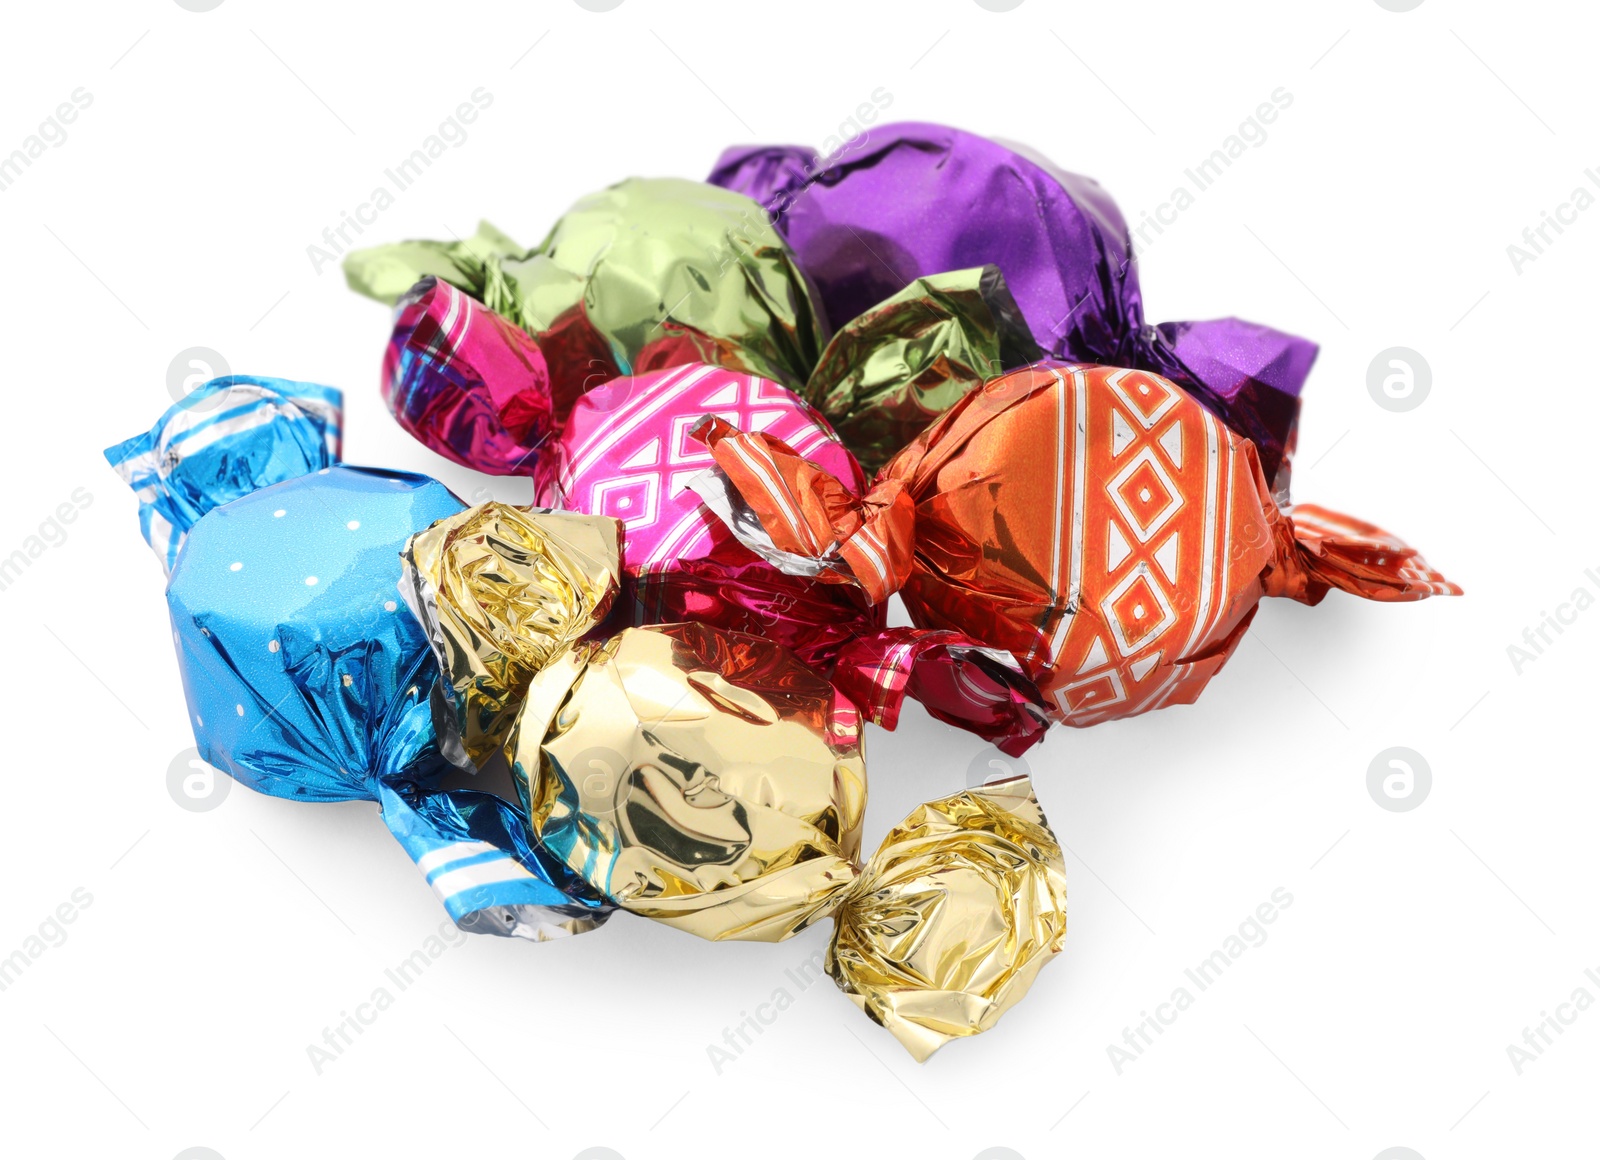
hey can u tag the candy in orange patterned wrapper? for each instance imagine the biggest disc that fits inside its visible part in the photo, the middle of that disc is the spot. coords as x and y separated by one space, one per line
714 782
1098 524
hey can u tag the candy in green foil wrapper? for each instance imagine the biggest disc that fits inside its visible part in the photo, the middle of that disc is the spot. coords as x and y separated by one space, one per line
666 272
891 371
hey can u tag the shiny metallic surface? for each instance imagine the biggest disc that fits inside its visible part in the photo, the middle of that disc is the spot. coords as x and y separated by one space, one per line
708 780
896 367
1097 523
226 438
501 590
639 277
628 451
953 917
913 200
307 678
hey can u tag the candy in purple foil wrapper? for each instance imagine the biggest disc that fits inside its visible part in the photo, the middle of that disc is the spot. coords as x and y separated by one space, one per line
911 200
627 451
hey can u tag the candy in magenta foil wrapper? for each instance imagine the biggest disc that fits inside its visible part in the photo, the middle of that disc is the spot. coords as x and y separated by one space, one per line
225 439
308 678
712 781
912 200
1097 524
626 452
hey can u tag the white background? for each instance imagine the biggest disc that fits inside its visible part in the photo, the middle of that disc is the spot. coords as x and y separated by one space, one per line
178 1010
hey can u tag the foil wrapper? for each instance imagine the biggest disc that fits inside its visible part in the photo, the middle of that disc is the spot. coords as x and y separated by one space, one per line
706 779
227 438
912 200
713 781
1098 524
626 452
896 367
949 923
468 384
500 591
307 678
645 275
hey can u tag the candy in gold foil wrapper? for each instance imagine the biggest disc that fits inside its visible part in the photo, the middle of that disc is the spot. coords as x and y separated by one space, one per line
706 779
713 781
500 591
952 918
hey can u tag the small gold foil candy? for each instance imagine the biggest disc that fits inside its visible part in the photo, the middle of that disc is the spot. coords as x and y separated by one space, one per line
501 590
949 923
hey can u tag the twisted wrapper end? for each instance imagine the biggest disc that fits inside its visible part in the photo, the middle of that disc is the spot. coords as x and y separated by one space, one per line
801 519
948 925
500 591
1319 550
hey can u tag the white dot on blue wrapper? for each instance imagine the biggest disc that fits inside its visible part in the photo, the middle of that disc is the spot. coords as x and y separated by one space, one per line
199 722
353 525
239 709
310 580
272 646
389 605
279 514
235 566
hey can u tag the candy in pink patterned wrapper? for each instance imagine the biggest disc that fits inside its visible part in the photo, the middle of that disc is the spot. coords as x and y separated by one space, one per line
627 451
468 384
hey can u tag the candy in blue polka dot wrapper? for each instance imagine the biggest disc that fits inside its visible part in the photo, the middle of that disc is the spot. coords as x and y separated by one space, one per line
223 440
307 677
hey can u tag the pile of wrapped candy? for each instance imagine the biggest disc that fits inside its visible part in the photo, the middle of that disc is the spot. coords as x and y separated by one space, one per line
752 410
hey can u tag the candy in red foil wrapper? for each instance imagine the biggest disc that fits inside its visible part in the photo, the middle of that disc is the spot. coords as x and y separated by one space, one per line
626 452
468 384
910 200
1096 523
